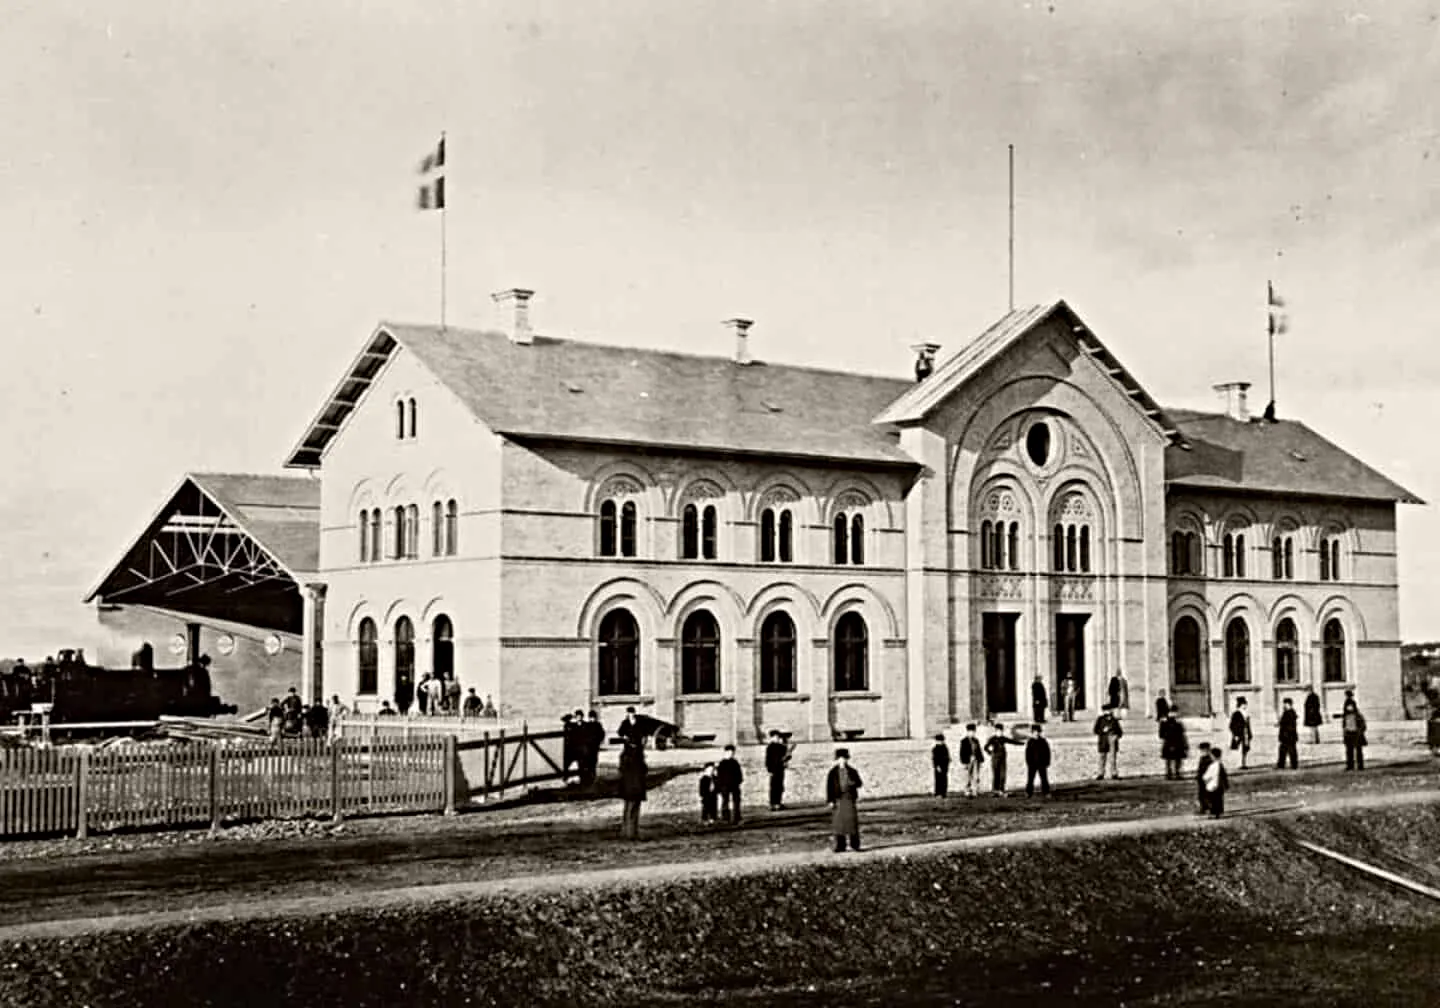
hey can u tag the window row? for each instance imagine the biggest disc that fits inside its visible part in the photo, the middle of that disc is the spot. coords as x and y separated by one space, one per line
394 534
405 419
700 673
1187 558
1000 545
1186 651
699 533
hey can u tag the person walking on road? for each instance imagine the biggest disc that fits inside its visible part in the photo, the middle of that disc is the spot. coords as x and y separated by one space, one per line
996 745
940 763
1173 746
728 778
842 789
1241 734
1039 699
1107 738
1313 717
632 788
1289 737
1037 762
777 758
972 757
1217 782
1352 728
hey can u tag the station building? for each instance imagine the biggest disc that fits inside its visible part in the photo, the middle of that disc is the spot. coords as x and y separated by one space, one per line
734 545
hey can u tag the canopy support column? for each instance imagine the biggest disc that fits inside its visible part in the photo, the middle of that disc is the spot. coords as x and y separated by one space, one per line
312 678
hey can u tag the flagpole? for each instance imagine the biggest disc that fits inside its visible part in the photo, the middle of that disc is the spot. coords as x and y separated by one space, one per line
1270 327
442 250
1012 227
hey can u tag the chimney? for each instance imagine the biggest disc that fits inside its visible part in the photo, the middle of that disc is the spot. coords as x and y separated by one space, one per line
741 328
924 359
513 314
1233 394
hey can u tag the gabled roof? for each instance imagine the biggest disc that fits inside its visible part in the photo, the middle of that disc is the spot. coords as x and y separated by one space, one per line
1283 457
231 545
919 400
582 391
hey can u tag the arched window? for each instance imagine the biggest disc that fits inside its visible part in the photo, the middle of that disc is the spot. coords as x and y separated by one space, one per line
437 529
700 654
1289 558
619 655
1286 652
364 536
857 539
1186 652
1070 549
413 418
767 535
1194 556
987 561
404 663
399 419
690 532
1184 554
442 647
851 654
1329 559
412 531
368 659
1282 558
997 547
786 535
1239 556
777 654
452 527
627 529
1084 549
841 539
1237 652
1177 553
399 532
1013 547
607 528
1057 542
709 538
1332 649
1228 555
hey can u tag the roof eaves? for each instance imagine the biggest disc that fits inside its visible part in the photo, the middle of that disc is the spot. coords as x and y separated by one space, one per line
144 531
898 461
310 449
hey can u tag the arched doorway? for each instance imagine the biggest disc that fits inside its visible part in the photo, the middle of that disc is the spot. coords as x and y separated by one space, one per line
442 648
404 664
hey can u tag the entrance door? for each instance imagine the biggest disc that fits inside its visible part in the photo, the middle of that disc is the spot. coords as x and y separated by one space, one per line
1070 654
997 634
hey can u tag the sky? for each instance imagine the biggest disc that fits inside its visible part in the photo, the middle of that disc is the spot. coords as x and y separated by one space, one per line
206 208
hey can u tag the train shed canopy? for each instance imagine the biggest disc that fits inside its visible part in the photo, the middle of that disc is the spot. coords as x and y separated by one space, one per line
225 546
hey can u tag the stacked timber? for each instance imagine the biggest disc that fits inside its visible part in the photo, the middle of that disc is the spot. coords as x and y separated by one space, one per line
205 729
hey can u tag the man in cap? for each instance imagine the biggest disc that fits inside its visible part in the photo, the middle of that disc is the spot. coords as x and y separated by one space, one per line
842 789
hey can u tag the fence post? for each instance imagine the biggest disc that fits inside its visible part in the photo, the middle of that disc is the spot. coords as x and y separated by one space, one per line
214 788
449 776
337 809
524 751
82 795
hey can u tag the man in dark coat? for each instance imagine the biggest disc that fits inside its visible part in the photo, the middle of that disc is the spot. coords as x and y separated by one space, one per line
728 778
1037 762
593 736
1173 746
632 788
707 795
972 757
777 758
1162 706
1289 737
995 745
1313 717
1039 699
842 789
567 744
1119 692
1241 734
1200 767
628 729
1107 740
292 711
1352 729
940 762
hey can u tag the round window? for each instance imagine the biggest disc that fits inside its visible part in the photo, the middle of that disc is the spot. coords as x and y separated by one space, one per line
1037 444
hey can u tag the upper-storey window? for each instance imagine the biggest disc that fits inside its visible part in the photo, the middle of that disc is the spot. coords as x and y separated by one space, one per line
399 419
1070 545
999 545
777 535
698 532
848 538
406 419
413 418
1232 555
619 520
444 518
1282 557
452 527
1185 554
1329 558
364 535
377 536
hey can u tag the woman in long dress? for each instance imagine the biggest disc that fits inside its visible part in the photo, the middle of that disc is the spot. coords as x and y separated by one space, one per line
842 788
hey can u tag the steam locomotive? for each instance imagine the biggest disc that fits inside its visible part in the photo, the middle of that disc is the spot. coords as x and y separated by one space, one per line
80 692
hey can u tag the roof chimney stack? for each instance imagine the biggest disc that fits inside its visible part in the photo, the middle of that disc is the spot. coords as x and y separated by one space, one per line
513 307
1234 395
741 328
924 359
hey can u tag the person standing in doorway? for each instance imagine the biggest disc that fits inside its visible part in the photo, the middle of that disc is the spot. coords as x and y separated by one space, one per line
1313 717
1173 746
940 763
1241 734
632 788
1107 739
1037 762
728 778
777 758
972 757
1067 697
1352 728
1039 699
1119 692
996 745
842 790
1216 782
1289 737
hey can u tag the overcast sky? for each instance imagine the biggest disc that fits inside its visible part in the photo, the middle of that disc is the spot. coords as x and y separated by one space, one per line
205 209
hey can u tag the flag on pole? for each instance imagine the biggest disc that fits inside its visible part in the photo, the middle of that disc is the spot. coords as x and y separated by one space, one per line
1279 322
432 190
1276 301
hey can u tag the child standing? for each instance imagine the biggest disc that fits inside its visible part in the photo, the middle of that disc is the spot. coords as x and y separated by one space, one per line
707 795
